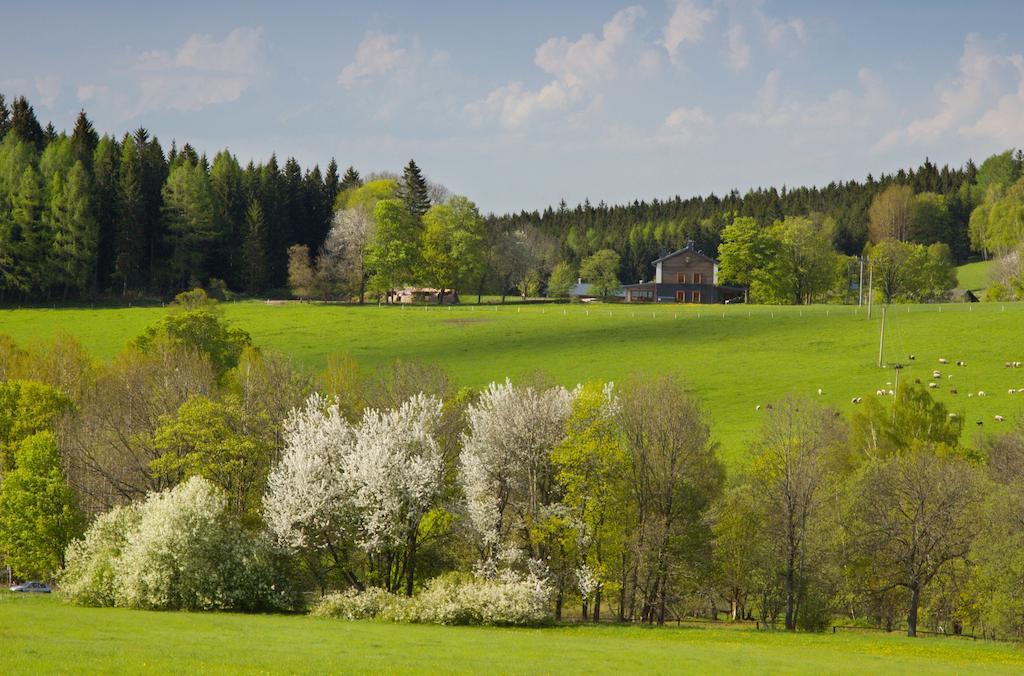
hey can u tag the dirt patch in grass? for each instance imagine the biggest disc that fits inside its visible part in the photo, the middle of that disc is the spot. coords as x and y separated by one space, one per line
464 322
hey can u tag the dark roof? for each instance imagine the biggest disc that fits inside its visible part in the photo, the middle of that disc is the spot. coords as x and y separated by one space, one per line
686 249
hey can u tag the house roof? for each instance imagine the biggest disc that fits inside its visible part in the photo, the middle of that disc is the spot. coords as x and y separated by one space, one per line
686 249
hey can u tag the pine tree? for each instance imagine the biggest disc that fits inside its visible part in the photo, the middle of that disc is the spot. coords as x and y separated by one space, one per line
84 140
106 184
412 189
153 174
32 243
332 184
76 232
49 134
350 180
229 204
276 224
24 122
254 249
5 117
130 240
188 220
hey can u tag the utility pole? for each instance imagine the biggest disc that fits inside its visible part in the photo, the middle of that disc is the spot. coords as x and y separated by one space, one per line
871 284
860 283
881 340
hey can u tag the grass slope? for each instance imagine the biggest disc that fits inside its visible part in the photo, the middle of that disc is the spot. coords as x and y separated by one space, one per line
975 276
42 635
733 357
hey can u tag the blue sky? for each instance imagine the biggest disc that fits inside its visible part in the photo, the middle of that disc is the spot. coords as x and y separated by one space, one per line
518 105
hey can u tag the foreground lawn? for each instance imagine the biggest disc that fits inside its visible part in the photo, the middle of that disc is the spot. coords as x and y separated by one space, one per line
43 635
734 357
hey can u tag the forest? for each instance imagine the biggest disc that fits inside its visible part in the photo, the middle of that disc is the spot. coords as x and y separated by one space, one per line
84 216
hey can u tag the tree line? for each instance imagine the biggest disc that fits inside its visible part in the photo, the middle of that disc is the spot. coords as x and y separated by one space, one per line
613 496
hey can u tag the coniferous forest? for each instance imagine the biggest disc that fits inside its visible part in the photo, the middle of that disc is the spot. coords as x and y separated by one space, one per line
86 216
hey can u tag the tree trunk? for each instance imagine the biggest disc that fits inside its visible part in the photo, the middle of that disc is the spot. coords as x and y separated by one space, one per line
915 599
597 605
410 564
790 615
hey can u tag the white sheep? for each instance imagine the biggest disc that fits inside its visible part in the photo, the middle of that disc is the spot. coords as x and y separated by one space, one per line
1011 391
758 407
953 416
892 393
943 360
981 393
999 418
936 374
961 362
820 392
933 385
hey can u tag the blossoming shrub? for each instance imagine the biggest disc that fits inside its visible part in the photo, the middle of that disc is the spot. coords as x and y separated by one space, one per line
89 576
352 604
450 599
180 549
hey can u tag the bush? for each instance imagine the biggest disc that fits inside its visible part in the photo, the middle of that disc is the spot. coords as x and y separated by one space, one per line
456 598
180 549
355 605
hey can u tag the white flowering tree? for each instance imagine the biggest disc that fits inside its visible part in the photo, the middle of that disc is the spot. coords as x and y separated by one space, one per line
505 464
394 474
367 486
305 505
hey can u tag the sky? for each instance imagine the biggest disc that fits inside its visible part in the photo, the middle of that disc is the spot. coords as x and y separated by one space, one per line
521 104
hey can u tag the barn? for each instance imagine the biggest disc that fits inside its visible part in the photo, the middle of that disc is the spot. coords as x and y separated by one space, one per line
684 276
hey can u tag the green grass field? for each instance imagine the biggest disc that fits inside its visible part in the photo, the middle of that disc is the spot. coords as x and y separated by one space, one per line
733 357
975 276
43 635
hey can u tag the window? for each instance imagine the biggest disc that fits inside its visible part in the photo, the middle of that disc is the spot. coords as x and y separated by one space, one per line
680 296
698 278
680 278
695 297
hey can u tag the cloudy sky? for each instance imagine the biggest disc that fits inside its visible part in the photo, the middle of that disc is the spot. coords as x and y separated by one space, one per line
518 105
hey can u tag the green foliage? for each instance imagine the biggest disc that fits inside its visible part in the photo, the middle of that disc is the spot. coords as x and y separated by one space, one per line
891 426
39 516
601 271
393 252
562 280
906 272
221 442
27 408
412 190
203 330
453 240
188 213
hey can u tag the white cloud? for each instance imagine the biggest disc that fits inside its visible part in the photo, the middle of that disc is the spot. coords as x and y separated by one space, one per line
47 89
376 55
686 124
779 32
685 26
738 52
91 92
965 102
579 67
204 71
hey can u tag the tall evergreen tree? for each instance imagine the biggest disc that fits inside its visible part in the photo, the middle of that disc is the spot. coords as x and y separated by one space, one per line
153 167
32 242
24 122
276 224
350 180
332 182
84 140
106 187
188 215
254 249
130 240
5 117
76 233
229 206
50 133
413 190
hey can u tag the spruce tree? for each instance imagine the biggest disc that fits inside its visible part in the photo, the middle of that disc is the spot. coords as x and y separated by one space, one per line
413 191
24 122
75 232
106 185
332 183
5 117
49 134
130 240
350 180
254 249
84 140
229 204
32 243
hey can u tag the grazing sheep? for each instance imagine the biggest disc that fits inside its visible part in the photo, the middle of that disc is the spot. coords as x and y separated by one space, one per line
879 393
936 374
912 357
758 407
981 393
980 423
949 375
961 362
943 360
999 418
953 391
953 416
933 386
892 393
856 400
1011 391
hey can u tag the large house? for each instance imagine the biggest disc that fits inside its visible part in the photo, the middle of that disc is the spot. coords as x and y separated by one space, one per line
684 276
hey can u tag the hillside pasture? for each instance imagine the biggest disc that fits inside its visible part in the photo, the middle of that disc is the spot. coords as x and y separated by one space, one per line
43 635
735 358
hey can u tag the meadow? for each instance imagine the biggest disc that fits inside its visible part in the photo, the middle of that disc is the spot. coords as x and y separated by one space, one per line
44 635
734 358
